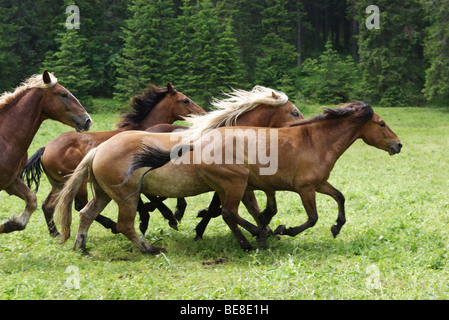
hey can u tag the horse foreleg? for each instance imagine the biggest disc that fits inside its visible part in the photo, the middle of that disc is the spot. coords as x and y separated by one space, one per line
17 223
309 202
213 211
181 206
328 189
48 207
230 215
164 210
270 210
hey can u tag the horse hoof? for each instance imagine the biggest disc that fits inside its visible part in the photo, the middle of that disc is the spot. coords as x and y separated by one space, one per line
335 231
157 250
173 226
280 229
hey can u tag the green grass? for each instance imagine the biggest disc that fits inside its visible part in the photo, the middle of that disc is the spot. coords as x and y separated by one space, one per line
397 225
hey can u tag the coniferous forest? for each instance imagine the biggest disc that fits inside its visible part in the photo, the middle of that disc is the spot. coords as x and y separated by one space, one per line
319 51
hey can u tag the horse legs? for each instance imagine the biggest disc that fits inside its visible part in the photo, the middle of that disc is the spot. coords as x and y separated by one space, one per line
125 225
328 189
48 207
212 212
270 210
230 215
308 200
164 210
88 215
17 223
181 206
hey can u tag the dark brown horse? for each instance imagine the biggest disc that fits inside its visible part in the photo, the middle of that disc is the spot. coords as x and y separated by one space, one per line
303 157
60 156
21 114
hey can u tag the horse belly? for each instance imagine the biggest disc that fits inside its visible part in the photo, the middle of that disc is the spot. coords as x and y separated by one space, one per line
171 182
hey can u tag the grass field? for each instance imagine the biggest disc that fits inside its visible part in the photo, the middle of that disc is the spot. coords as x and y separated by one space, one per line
394 245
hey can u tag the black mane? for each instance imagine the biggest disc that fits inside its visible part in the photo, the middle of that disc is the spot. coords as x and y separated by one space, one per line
142 105
363 111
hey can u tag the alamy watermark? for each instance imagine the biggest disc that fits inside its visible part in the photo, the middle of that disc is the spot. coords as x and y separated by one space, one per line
231 146
73 279
373 20
73 20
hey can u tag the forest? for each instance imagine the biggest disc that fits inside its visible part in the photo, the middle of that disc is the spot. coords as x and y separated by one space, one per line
319 51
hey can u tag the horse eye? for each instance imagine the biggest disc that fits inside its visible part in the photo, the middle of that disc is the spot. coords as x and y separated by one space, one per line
382 124
64 95
186 101
295 113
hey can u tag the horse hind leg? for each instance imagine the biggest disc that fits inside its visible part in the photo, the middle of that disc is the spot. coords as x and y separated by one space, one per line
125 225
17 223
87 215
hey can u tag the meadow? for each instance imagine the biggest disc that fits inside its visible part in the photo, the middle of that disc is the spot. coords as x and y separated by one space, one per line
394 245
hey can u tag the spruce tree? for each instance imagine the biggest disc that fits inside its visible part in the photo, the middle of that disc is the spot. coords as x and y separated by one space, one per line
69 64
144 56
436 49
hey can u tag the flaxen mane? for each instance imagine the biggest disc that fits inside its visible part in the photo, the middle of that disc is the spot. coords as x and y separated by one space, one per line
142 105
229 109
35 81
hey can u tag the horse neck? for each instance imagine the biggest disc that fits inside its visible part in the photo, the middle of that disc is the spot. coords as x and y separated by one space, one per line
335 137
24 119
161 113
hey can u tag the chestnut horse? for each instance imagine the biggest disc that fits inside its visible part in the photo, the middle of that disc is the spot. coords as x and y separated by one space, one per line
305 154
269 108
39 98
60 156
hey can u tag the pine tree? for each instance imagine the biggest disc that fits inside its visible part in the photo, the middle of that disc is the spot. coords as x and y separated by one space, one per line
277 56
9 59
143 59
391 66
436 50
69 64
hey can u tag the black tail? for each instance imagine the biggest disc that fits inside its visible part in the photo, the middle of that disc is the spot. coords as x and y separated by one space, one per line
152 157
32 171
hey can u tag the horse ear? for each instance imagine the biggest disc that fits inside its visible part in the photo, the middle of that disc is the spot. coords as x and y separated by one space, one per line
46 77
170 88
274 95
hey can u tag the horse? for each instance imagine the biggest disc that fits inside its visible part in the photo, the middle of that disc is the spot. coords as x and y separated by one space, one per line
305 154
268 108
22 111
59 158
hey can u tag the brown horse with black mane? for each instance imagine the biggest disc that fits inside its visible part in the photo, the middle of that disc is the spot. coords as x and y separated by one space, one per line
39 98
60 156
305 154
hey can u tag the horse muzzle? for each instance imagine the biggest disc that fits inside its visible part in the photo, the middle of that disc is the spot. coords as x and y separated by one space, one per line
82 123
395 148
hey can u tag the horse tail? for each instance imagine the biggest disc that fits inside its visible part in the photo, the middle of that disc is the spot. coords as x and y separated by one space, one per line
152 157
32 171
68 193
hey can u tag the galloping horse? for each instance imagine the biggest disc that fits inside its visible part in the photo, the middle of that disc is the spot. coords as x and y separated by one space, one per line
21 113
305 153
60 156
260 107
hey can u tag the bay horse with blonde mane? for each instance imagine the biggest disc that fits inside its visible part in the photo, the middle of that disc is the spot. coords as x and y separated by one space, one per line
38 98
59 158
306 154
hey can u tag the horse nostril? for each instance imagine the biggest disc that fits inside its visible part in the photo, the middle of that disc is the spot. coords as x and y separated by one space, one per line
400 146
88 123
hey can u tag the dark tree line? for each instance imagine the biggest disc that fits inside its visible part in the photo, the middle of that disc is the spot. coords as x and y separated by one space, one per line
319 51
